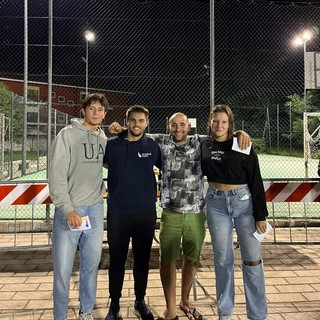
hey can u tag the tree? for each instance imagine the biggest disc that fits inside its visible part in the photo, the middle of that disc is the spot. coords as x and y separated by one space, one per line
11 106
297 105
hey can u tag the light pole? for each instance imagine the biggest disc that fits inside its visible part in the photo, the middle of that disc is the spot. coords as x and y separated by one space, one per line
89 36
302 39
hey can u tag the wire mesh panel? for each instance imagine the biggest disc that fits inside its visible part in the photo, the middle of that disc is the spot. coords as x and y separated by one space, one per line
157 54
149 53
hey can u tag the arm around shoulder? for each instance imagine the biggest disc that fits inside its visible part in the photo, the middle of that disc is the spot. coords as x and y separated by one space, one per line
115 128
243 139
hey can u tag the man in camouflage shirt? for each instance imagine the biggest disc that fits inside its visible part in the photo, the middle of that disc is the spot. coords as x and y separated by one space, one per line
183 219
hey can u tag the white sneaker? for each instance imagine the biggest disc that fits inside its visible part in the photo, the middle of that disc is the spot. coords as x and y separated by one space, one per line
86 316
225 317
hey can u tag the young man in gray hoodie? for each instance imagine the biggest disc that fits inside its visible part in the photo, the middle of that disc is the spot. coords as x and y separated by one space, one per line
76 189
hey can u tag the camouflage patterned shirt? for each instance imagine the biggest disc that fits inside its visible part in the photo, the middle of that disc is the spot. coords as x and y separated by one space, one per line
182 187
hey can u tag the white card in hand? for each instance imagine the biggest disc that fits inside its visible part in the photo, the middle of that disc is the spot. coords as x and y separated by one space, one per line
84 226
236 147
261 236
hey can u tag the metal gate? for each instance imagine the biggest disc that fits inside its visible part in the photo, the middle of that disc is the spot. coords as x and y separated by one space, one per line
26 213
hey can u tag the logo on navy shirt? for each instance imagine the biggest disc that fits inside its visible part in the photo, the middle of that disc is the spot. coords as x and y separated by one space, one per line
144 154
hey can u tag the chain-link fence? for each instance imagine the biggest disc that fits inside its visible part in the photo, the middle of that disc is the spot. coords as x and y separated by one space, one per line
276 132
158 54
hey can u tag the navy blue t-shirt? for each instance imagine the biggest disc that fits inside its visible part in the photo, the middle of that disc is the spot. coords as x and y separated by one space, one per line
131 181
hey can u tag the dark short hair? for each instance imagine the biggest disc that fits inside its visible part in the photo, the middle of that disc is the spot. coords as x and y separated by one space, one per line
94 97
137 108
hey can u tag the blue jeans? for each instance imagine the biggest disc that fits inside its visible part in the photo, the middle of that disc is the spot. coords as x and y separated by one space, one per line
225 209
64 247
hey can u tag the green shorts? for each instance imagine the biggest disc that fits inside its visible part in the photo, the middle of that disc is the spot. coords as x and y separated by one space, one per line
186 228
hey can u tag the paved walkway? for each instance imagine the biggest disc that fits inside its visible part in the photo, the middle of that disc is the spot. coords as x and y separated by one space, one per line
292 281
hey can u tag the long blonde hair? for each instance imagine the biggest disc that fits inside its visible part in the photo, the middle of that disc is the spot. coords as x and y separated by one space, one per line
221 108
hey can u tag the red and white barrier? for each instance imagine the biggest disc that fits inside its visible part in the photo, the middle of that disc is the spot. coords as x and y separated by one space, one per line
38 193
292 191
24 194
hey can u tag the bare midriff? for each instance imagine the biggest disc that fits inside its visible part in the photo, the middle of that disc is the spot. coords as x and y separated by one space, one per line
224 187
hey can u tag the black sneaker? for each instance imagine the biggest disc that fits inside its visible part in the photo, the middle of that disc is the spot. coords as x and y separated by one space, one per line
141 311
114 312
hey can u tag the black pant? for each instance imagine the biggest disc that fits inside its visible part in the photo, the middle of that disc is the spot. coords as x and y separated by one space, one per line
120 228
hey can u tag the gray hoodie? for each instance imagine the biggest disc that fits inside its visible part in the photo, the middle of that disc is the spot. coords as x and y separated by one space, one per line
75 171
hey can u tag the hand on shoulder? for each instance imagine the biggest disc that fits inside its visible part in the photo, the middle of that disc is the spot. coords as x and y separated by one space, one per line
243 139
115 128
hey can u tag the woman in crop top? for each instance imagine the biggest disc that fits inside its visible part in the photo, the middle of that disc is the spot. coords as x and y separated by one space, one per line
236 198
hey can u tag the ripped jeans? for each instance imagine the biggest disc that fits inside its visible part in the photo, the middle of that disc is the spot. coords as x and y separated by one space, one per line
226 209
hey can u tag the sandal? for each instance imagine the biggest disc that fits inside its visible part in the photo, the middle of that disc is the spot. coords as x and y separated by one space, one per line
192 313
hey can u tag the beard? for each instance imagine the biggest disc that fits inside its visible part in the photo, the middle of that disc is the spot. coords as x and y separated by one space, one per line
178 139
135 133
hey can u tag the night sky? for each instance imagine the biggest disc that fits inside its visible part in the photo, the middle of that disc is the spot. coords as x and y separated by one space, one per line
158 49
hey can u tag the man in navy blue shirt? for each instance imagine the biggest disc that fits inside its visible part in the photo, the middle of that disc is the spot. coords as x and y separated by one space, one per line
132 195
